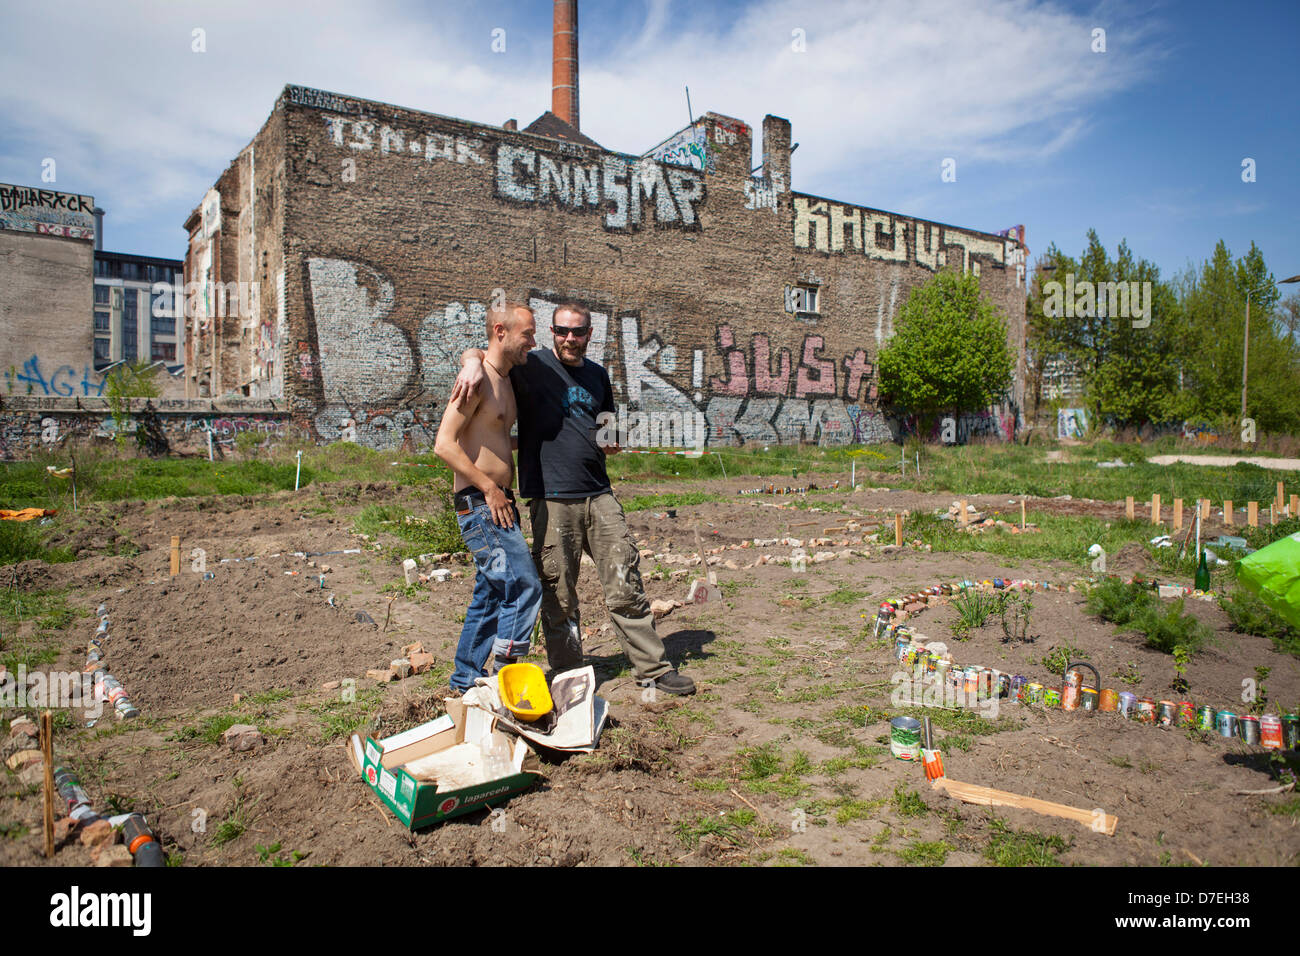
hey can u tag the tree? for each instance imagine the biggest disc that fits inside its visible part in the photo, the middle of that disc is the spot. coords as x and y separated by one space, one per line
122 384
949 353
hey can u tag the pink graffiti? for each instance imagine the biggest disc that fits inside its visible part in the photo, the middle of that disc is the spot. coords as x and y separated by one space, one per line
824 382
738 382
857 368
765 383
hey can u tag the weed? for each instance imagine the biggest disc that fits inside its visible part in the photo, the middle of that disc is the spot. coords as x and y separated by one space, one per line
13 831
925 854
1122 762
1062 656
1250 615
1008 847
731 827
234 824
788 856
1130 674
908 803
758 765
268 855
973 609
1134 607
1013 611
845 596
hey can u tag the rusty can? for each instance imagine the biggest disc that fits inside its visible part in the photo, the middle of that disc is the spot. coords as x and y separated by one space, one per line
1248 729
1108 701
1167 713
1088 702
970 680
1128 704
1291 731
1070 690
1270 732
1146 710
1225 722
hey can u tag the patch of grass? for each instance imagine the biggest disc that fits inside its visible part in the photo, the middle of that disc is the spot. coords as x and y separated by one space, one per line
1287 808
26 540
764 770
339 718
1062 656
417 534
234 824
925 854
789 856
1250 615
1008 847
908 803
1135 607
1121 761
713 784
844 595
973 608
669 500
13 831
732 827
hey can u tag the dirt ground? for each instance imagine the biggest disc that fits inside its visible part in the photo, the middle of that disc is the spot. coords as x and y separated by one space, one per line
781 758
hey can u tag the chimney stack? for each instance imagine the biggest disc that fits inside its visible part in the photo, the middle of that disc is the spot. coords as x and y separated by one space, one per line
99 228
564 62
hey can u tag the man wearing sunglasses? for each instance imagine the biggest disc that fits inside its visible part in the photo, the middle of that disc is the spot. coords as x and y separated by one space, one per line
562 470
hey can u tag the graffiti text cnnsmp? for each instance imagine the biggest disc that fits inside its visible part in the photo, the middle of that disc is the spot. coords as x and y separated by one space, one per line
631 193
61 380
833 228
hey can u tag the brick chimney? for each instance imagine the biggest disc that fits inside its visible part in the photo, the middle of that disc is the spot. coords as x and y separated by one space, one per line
564 62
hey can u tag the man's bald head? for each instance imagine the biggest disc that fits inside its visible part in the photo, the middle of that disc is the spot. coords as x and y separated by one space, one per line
508 314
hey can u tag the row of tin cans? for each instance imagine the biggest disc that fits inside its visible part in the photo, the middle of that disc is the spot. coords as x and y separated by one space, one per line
984 683
107 687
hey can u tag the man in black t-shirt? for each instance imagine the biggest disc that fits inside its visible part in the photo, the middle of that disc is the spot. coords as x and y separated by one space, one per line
559 394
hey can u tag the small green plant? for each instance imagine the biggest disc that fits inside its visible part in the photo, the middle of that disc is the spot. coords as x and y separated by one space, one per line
908 803
1181 659
1260 701
1014 610
1062 656
1133 606
1130 674
973 609
268 855
1250 615
1008 847
933 853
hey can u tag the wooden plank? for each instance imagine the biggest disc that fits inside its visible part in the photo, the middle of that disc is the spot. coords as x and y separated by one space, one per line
988 797
176 555
1178 514
1295 505
962 514
47 753
1280 497
1128 507
1227 512
1205 509
1022 514
1252 513
1155 509
898 530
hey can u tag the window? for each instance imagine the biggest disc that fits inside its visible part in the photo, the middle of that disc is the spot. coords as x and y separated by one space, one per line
130 327
162 325
164 351
103 353
101 295
102 320
803 299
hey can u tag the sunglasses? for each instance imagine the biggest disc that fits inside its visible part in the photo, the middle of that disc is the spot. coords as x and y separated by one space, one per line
567 331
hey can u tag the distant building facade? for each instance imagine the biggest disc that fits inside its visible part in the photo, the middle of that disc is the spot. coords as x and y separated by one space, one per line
138 315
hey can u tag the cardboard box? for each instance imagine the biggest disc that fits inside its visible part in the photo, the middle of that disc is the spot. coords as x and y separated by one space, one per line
435 771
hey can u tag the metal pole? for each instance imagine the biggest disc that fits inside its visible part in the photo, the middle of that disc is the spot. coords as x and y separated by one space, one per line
209 441
723 465
853 474
297 474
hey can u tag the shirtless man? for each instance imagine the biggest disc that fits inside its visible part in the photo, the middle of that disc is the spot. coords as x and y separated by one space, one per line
474 440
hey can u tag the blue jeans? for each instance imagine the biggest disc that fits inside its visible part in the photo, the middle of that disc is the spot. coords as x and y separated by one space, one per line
507 596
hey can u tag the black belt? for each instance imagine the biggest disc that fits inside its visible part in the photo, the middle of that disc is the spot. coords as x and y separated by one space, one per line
467 499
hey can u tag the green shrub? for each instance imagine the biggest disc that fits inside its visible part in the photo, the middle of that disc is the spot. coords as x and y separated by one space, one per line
1135 607
1250 615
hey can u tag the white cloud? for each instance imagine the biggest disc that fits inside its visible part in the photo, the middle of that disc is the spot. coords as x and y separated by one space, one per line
136 118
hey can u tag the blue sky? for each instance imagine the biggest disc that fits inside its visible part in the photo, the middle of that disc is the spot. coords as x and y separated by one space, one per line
1144 141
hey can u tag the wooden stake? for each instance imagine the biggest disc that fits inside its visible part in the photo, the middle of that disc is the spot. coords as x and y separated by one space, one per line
962 516
1252 513
1227 512
1205 509
1295 505
1155 509
47 751
898 530
1178 514
1280 497
1128 507
1022 514
988 797
176 555
1272 512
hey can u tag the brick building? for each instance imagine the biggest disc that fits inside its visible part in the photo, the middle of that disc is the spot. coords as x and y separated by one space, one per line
363 242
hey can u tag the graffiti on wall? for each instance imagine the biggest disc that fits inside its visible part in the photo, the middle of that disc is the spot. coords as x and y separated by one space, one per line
47 212
374 363
64 380
630 193
366 136
833 228
689 148
225 429
22 432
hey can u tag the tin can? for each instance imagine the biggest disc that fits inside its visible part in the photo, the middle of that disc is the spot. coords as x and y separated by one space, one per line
1051 697
1167 713
1291 731
1108 701
900 646
1088 700
941 668
1070 690
1270 732
1225 722
1127 704
905 738
970 680
1034 693
1205 717
1004 686
988 681
1018 684
1146 710
1248 729
1186 713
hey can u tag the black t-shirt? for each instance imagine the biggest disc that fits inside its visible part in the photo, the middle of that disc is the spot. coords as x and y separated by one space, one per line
558 405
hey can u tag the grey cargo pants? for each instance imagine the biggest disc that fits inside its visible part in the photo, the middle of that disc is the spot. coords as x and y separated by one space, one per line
562 530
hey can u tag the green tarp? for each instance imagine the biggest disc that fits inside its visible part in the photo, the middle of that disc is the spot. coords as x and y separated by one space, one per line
1273 575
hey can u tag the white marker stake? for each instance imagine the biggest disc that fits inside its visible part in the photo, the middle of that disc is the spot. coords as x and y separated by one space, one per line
209 446
297 473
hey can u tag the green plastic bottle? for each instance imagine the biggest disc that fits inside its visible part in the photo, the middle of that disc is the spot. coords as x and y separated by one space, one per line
1202 575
